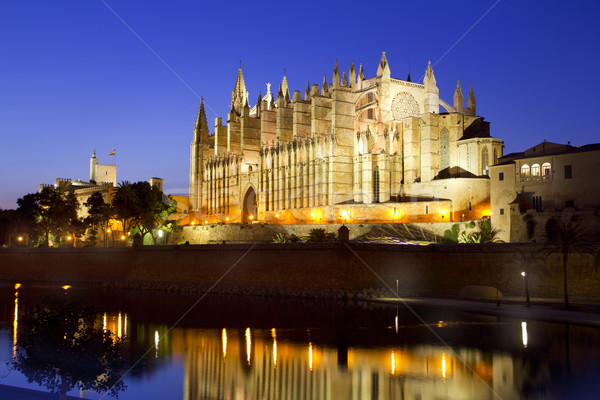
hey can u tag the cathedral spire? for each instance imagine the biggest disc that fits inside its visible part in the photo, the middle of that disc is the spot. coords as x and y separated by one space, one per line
258 106
429 80
471 103
239 95
384 68
344 80
336 75
458 98
201 127
352 75
307 92
324 88
284 86
361 73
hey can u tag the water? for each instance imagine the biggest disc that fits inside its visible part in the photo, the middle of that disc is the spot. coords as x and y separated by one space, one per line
254 348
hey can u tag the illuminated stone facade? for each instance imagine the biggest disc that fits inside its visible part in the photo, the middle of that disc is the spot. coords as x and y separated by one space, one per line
549 180
356 150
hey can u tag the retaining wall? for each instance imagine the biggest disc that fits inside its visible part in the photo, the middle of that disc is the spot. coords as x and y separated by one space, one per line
303 269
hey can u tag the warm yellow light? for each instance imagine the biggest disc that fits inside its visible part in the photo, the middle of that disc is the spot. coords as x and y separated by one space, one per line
443 366
276 215
20 238
490 213
248 345
122 237
17 286
345 214
69 238
66 287
523 273
206 222
443 212
393 363
104 322
108 230
224 340
252 217
524 333
310 356
193 223
227 219
273 333
15 325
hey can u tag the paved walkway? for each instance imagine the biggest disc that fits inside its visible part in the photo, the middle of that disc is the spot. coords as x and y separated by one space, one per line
542 309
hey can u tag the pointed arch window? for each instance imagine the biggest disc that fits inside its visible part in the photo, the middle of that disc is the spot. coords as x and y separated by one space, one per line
444 149
376 185
485 161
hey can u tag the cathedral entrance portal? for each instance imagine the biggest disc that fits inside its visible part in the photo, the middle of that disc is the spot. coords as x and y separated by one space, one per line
249 209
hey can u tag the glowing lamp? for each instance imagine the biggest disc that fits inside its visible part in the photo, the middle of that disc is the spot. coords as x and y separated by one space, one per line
227 219
122 237
20 238
69 238
108 230
276 215
252 217
206 222
523 273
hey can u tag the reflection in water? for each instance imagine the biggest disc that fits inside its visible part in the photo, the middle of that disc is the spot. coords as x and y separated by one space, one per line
274 335
524 333
224 339
248 345
16 322
156 339
421 371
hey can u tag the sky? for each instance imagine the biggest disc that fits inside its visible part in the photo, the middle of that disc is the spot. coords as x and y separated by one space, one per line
127 75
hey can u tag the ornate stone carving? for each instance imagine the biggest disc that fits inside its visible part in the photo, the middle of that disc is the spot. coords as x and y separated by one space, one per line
404 105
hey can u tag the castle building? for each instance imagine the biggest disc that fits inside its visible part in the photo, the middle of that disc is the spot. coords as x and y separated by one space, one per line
355 150
548 180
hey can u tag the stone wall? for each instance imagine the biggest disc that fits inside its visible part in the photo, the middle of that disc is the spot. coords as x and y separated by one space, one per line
252 233
302 269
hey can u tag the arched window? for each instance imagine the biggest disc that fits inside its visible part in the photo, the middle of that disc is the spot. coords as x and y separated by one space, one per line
444 149
376 185
535 170
524 170
485 161
546 167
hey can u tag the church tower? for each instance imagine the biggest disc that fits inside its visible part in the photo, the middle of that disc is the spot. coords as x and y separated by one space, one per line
200 143
93 166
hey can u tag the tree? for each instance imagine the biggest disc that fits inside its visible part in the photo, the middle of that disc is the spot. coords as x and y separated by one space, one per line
58 213
59 348
144 207
565 239
99 215
124 202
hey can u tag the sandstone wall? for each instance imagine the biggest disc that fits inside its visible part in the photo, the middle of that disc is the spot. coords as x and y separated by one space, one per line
297 269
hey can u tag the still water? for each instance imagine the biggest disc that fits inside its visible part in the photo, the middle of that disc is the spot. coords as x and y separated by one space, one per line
254 348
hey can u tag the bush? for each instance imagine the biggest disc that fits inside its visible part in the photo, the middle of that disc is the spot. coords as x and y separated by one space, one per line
320 235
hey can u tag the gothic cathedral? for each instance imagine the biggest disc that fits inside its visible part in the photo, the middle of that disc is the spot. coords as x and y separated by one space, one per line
356 150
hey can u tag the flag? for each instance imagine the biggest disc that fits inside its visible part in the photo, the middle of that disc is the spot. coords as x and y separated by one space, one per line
112 153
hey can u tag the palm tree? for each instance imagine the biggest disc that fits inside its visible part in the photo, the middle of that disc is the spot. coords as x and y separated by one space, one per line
566 238
528 263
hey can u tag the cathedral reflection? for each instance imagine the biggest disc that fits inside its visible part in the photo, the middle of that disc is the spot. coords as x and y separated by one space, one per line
260 364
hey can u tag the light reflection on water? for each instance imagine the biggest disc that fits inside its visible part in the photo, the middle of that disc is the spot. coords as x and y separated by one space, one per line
246 350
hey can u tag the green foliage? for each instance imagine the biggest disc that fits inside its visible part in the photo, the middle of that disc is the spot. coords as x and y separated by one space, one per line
320 235
57 214
281 238
470 225
59 348
144 208
451 235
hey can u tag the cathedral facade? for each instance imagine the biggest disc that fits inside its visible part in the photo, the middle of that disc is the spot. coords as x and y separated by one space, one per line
355 150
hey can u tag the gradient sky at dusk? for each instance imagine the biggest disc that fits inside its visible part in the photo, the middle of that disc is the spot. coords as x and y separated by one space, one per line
73 77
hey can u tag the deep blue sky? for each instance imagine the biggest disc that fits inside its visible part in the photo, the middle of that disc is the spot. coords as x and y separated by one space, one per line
74 78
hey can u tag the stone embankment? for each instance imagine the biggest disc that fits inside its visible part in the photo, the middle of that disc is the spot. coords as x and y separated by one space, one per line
303 270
